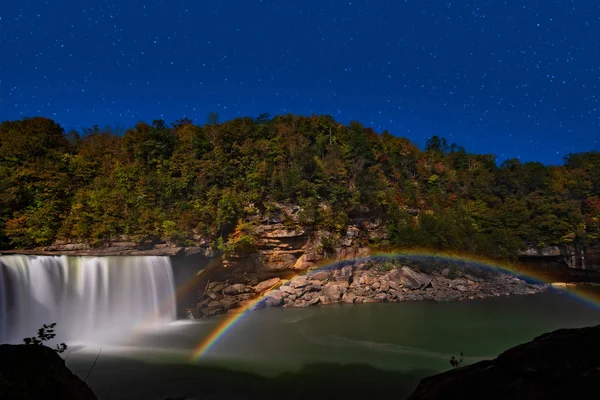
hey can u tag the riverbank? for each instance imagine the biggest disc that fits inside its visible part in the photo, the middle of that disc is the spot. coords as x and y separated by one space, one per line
365 282
563 364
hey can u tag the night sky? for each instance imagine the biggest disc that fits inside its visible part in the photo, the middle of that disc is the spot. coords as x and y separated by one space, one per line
514 78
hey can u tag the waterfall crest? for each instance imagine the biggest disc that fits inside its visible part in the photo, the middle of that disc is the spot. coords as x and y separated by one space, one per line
90 298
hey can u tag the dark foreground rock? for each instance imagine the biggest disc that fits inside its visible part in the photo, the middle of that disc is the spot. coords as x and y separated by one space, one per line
29 372
564 364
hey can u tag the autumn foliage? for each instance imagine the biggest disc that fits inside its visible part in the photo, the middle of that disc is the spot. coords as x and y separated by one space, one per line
183 181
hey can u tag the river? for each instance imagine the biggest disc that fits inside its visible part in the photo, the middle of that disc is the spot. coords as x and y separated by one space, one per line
412 339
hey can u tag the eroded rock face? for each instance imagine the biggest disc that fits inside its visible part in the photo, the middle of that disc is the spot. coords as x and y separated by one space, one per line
30 372
564 364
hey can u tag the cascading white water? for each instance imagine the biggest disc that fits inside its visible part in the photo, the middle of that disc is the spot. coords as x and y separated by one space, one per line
89 298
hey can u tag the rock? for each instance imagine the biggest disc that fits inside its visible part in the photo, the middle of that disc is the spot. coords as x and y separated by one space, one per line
213 295
30 372
445 272
461 288
274 298
279 261
228 302
299 282
381 297
343 274
287 289
332 294
235 289
564 364
315 286
302 263
349 298
385 286
320 275
314 301
410 279
264 285
212 310
214 303
216 286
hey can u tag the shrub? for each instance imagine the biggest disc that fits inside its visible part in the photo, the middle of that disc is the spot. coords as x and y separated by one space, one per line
45 333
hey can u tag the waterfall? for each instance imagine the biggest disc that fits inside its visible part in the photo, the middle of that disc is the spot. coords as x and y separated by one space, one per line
89 298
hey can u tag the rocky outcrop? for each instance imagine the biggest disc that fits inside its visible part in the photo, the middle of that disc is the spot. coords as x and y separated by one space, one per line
365 282
30 372
564 256
564 364
122 247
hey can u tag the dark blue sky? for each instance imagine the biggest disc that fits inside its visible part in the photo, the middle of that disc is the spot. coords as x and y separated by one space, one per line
515 78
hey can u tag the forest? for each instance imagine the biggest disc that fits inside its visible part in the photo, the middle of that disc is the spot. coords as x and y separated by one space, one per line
180 182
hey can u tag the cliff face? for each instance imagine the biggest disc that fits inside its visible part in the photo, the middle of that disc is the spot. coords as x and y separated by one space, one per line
564 364
561 257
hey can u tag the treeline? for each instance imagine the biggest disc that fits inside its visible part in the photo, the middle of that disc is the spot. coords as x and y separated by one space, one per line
182 181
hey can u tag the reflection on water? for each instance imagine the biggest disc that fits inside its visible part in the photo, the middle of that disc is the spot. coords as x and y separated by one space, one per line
407 337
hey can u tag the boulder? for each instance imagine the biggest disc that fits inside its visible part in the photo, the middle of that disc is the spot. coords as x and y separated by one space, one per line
302 263
235 289
274 298
228 302
332 294
410 279
299 282
381 297
287 289
212 310
320 275
264 285
349 298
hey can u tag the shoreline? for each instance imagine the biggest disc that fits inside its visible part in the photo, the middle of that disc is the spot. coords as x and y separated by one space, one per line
363 283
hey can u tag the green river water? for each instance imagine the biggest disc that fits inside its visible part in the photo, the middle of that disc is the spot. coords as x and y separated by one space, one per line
414 338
